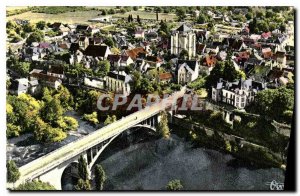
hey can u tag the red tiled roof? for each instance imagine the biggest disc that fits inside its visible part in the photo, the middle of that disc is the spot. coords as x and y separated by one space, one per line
268 54
266 35
210 60
134 52
165 76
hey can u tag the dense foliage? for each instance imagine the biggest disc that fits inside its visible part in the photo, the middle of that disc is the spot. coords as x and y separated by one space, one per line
35 185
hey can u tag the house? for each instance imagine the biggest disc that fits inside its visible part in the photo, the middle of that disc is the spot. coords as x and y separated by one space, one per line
92 30
134 53
266 35
99 51
119 60
56 71
213 48
82 29
208 63
96 40
200 48
83 42
94 82
281 59
239 94
43 78
64 30
222 55
154 61
33 53
118 82
19 86
184 39
151 36
56 26
34 86
164 77
139 34
186 71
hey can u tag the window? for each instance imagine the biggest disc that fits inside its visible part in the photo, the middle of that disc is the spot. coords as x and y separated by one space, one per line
242 105
243 99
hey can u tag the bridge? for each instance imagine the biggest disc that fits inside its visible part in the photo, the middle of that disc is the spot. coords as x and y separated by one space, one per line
50 167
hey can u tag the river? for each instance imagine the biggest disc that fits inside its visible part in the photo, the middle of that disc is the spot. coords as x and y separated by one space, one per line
151 165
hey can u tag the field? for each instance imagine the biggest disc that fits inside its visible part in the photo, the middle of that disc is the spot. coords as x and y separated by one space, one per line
69 17
147 15
83 16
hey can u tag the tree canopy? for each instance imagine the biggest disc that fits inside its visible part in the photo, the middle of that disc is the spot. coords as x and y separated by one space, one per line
174 185
12 171
34 186
100 177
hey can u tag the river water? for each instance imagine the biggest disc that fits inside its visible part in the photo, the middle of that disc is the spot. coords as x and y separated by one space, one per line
151 165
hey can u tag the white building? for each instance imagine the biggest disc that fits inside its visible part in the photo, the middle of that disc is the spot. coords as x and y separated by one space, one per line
238 94
187 71
118 82
183 39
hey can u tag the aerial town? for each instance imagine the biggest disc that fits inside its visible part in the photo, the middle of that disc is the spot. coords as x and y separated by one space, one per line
237 62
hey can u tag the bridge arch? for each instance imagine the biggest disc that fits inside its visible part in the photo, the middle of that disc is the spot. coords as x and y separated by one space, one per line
69 176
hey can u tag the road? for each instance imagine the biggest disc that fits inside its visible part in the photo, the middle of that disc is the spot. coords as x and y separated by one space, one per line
53 159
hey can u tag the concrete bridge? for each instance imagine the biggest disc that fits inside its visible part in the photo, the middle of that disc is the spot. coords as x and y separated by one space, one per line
50 167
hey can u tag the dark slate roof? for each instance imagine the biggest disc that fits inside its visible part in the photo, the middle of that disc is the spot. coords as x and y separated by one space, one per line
74 47
191 64
184 28
56 69
116 76
95 50
82 27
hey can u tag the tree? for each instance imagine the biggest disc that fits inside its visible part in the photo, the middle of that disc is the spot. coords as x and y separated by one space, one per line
36 36
225 70
104 12
123 11
28 28
138 19
104 68
135 8
162 127
202 19
34 186
174 185
12 171
184 54
43 132
12 130
136 80
111 11
83 185
22 68
145 86
180 12
82 168
41 25
100 177
92 118
109 42
277 104
110 119
67 123
52 111
164 27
